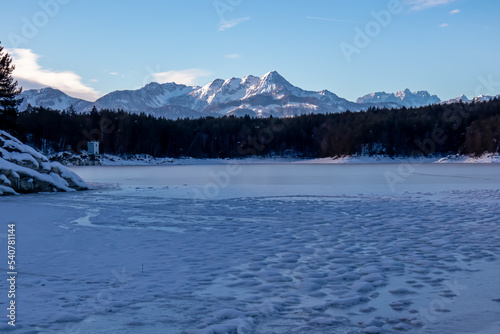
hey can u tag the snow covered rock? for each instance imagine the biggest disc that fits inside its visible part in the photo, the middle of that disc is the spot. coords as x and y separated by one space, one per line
24 170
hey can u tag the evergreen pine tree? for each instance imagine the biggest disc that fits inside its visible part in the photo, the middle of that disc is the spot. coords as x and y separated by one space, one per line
8 92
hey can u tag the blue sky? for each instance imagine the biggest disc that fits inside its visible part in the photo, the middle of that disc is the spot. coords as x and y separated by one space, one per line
88 48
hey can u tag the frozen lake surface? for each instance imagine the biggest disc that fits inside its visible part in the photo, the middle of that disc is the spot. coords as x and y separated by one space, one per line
267 248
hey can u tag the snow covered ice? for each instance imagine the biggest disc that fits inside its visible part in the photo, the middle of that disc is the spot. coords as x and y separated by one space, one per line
260 248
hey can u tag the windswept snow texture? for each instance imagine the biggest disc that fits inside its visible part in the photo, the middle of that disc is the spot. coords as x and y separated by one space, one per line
283 248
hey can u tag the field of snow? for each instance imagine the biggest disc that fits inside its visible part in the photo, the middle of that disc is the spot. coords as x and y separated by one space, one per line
260 248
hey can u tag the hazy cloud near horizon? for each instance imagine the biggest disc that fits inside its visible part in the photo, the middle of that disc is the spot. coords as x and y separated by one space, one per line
189 77
31 75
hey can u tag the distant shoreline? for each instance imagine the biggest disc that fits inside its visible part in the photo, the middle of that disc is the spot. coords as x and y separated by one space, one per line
146 160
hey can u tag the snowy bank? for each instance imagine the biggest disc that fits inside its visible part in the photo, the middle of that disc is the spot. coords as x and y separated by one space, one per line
24 170
466 159
384 159
71 159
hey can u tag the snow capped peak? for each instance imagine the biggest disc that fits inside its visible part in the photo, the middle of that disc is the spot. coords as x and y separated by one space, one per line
51 92
169 86
329 95
220 91
403 98
50 98
209 91
274 78
152 85
48 90
231 86
233 80
485 98
464 99
272 83
250 80
152 88
271 75
403 93
216 83
211 87
153 95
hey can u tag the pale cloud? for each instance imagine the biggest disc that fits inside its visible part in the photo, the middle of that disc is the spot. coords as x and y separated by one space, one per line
444 25
455 11
227 24
328 19
32 76
187 77
113 73
233 56
424 4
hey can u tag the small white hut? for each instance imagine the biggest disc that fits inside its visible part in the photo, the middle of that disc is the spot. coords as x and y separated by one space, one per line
93 148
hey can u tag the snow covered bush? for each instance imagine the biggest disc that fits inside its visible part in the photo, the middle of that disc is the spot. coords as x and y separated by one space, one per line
24 170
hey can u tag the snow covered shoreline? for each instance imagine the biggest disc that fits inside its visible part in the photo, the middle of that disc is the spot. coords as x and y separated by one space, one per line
24 170
69 159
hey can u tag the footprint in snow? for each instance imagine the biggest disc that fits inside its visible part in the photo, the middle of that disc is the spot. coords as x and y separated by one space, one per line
401 292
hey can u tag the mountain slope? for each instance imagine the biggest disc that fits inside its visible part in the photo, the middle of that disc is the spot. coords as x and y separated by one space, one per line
150 96
51 98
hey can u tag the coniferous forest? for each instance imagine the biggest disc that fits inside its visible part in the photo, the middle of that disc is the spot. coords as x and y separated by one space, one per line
458 128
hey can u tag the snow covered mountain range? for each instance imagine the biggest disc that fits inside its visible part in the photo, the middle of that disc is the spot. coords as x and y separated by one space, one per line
270 94
405 98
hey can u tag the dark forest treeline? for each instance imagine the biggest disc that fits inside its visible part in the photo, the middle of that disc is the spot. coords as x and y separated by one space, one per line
438 129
